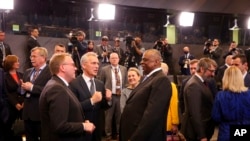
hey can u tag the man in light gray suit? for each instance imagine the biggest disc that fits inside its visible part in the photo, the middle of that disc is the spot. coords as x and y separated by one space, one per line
114 77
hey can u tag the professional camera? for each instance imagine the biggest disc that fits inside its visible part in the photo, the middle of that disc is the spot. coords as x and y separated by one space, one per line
208 43
128 41
130 57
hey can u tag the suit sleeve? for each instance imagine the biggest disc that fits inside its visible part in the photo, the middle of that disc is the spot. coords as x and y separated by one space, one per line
194 105
158 104
76 89
58 113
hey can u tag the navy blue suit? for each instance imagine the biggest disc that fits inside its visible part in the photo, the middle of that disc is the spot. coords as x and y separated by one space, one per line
182 59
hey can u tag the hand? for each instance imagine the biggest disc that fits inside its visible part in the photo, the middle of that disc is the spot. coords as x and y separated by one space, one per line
88 126
104 54
174 128
26 86
108 94
203 139
19 106
96 97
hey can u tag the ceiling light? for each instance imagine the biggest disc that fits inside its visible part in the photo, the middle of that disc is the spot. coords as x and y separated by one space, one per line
167 22
235 27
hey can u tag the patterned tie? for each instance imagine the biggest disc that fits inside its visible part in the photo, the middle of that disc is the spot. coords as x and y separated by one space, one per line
35 74
3 50
92 87
118 82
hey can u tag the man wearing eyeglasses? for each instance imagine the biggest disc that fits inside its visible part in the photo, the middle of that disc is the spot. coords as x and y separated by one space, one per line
198 100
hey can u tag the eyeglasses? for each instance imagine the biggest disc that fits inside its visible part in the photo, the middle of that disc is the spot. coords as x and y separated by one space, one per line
212 71
71 64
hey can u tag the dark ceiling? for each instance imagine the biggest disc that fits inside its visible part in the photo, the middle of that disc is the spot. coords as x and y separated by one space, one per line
214 6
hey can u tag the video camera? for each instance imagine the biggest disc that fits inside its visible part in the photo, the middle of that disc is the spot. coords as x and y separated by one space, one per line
208 43
128 41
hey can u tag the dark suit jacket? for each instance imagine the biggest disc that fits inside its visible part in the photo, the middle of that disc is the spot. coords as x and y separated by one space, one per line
144 115
31 43
198 99
4 112
99 50
13 89
61 113
247 80
215 55
30 109
219 75
185 71
106 76
91 112
7 52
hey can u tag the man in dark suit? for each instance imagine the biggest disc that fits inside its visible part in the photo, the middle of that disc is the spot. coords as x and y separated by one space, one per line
197 124
214 51
4 112
115 83
220 71
240 61
62 118
31 43
34 80
91 94
144 115
184 61
4 48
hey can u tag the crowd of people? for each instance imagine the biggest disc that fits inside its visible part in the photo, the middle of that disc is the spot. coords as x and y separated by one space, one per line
94 92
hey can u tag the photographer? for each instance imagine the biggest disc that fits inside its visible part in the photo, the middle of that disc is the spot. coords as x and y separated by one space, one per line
213 51
134 52
233 50
77 47
166 53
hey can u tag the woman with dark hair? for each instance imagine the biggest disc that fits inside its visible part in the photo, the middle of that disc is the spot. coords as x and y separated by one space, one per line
12 86
91 45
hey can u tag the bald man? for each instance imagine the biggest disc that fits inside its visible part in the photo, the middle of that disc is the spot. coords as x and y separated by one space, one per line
184 61
144 116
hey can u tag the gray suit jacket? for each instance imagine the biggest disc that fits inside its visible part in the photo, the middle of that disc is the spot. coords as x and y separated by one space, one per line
106 76
198 99
144 116
99 50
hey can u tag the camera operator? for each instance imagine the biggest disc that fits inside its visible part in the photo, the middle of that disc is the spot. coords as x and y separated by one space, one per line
134 52
166 53
213 51
233 50
77 47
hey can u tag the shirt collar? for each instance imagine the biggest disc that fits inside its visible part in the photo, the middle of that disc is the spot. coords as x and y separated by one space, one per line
202 80
86 78
65 82
153 71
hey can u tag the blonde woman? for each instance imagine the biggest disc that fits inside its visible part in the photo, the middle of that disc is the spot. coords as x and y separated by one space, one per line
231 105
134 77
173 117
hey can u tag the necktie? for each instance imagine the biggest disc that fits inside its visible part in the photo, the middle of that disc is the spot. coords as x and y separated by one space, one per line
3 50
118 82
35 74
92 87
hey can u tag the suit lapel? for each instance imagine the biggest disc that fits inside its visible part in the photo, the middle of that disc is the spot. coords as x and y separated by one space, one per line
84 86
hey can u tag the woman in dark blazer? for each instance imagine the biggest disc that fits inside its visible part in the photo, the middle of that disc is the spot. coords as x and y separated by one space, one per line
12 86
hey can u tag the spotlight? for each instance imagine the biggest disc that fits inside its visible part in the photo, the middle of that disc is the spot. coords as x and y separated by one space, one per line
186 19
